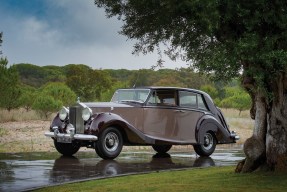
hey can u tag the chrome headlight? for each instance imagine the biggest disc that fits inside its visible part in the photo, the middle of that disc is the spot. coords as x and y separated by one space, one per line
63 113
87 113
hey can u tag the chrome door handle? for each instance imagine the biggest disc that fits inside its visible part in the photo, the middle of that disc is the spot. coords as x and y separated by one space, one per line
181 111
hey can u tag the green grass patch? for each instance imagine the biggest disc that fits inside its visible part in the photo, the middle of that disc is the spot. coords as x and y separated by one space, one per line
208 179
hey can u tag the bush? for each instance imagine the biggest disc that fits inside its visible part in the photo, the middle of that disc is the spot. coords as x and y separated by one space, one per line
46 105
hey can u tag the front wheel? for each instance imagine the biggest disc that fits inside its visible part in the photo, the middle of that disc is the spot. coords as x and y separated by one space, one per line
161 148
110 143
208 147
66 149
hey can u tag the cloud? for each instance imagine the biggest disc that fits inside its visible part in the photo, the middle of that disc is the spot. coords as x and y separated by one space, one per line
52 32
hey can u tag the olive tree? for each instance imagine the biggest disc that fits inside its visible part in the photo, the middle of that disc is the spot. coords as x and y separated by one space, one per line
228 39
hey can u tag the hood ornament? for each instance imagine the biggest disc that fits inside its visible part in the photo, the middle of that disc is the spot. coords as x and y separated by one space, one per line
78 100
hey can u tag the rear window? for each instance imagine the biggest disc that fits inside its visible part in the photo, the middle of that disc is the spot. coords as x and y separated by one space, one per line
189 99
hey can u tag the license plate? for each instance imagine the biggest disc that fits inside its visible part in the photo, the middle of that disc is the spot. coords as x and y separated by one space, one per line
64 140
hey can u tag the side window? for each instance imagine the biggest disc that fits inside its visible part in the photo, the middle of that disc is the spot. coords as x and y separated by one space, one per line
187 99
201 103
153 100
163 97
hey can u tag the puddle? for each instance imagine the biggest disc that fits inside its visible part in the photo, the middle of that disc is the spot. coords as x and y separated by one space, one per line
26 171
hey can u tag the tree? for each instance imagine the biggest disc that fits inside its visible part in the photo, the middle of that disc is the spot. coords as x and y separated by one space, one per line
142 77
60 92
51 97
27 97
87 83
236 98
46 105
224 38
9 86
37 76
211 90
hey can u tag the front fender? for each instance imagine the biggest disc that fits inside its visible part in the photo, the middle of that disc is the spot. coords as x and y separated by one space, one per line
130 133
209 123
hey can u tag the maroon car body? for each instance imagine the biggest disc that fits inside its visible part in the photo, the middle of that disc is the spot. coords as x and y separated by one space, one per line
155 116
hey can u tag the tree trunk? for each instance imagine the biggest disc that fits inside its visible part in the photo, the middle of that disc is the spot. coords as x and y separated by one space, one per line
276 137
267 148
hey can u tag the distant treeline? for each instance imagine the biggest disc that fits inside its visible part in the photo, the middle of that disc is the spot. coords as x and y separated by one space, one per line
47 88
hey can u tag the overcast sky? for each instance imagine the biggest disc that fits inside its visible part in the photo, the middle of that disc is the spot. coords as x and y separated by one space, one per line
61 32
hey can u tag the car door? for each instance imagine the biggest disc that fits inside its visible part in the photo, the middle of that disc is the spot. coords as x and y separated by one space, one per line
159 114
191 108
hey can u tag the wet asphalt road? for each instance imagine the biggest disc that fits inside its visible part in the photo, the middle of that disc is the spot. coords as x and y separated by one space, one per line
26 171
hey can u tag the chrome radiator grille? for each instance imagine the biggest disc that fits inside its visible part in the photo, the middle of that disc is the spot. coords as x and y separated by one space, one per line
75 117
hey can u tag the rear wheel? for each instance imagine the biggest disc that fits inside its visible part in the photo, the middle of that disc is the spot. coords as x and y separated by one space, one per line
66 149
208 147
110 143
161 148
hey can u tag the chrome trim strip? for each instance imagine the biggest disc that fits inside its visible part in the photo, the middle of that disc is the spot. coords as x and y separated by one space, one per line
76 136
85 137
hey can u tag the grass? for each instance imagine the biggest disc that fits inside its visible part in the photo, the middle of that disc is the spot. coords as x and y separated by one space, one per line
233 113
208 179
18 115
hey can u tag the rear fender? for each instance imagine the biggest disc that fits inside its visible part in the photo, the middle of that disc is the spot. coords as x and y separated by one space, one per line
208 123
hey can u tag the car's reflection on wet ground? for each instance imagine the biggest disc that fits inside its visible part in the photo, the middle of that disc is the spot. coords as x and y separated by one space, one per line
20 172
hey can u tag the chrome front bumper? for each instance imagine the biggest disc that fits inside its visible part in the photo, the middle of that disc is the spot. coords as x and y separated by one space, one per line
69 136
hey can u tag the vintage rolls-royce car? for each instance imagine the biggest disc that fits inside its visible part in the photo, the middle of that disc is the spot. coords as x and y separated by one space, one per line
156 116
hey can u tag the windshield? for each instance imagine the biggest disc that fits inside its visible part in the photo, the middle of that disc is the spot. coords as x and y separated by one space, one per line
130 95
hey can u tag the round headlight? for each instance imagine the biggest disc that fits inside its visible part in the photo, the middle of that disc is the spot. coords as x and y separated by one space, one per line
87 113
63 113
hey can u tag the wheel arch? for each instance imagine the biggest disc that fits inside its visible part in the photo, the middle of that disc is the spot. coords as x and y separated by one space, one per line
208 123
129 133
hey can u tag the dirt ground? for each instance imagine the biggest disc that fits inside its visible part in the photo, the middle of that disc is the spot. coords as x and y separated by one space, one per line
28 136
24 136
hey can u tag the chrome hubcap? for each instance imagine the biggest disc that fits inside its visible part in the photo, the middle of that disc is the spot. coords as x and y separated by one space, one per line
111 142
208 141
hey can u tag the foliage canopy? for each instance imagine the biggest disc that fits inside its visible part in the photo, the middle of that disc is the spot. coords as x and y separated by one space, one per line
215 36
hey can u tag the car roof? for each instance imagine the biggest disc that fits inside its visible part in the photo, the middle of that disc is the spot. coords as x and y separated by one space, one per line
171 88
